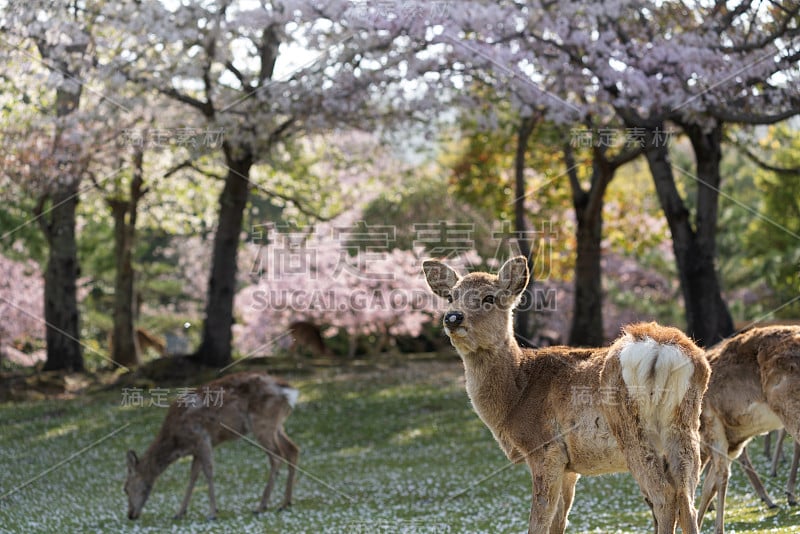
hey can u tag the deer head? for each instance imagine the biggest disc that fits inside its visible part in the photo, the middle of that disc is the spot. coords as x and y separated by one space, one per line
137 488
479 315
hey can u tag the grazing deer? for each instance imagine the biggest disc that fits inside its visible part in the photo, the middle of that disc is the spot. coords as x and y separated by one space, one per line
568 412
247 402
754 388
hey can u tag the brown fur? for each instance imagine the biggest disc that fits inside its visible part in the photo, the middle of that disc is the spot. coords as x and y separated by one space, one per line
754 388
306 336
251 402
568 411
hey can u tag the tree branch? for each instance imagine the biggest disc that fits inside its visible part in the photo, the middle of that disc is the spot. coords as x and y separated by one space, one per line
189 164
787 171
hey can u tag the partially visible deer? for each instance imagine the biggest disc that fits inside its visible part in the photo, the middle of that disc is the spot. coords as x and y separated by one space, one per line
247 402
755 480
306 336
569 411
754 388
790 483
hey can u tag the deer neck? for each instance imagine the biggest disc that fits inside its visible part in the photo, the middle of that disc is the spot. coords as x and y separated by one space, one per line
155 460
492 380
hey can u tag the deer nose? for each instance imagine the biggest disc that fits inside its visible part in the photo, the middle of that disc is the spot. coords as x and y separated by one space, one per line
453 319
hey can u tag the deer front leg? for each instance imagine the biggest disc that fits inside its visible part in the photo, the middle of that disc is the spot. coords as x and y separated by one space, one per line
207 464
790 496
755 481
778 456
547 480
564 503
290 452
195 471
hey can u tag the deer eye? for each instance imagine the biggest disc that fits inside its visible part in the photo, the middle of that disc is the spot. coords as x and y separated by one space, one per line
450 299
488 299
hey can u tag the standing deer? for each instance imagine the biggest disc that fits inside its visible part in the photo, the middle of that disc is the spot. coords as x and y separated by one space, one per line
568 412
248 402
754 388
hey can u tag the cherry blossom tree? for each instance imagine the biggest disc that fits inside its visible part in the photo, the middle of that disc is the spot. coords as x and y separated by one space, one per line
51 152
645 64
231 63
21 302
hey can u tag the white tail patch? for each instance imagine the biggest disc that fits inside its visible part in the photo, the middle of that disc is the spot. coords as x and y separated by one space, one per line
657 377
291 395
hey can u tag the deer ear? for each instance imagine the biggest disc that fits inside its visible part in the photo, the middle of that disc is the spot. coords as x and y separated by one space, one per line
513 275
441 278
133 460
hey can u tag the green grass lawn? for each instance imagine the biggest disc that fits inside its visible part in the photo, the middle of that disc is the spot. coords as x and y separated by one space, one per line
393 450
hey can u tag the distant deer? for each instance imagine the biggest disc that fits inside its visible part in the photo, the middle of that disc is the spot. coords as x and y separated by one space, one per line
144 340
306 335
569 411
754 388
248 402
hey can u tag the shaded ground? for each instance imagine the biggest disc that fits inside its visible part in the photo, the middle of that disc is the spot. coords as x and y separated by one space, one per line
389 448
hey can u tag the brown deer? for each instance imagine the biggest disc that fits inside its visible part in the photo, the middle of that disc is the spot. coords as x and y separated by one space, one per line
754 388
307 337
247 402
568 412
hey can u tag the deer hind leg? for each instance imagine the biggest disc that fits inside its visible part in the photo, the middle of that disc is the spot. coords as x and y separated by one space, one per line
274 466
194 472
564 503
778 456
267 438
279 448
651 471
205 456
716 482
683 466
291 453
707 494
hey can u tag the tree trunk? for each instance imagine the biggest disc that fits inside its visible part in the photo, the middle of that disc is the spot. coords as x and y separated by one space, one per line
124 348
707 316
61 314
524 315
60 283
587 315
215 349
